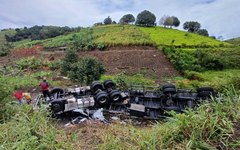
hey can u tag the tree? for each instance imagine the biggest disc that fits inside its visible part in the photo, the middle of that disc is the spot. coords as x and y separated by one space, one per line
126 19
87 70
169 21
176 21
191 26
203 32
146 18
70 58
98 24
107 20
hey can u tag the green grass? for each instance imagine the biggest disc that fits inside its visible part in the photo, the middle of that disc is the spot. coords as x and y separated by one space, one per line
174 37
121 35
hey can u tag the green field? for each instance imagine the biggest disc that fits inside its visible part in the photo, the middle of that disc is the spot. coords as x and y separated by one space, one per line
173 37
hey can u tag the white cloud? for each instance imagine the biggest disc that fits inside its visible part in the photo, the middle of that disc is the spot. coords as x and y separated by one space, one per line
219 17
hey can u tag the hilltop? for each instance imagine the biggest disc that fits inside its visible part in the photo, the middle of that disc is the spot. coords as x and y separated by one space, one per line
125 35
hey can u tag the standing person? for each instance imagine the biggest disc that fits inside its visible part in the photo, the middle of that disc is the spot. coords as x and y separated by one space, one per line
19 96
45 89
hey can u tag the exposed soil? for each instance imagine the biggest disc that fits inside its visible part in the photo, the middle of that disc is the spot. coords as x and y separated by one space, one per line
135 59
132 59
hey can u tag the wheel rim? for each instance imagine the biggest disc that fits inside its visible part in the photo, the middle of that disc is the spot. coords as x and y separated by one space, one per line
115 98
103 100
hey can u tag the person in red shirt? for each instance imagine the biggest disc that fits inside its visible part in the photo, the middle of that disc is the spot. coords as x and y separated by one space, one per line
19 96
45 89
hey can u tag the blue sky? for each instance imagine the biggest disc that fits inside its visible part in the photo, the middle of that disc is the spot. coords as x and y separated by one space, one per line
219 17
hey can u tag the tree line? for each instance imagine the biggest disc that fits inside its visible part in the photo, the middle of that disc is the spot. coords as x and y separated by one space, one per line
147 18
39 33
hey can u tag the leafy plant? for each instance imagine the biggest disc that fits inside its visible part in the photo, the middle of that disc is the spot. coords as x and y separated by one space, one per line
87 70
29 63
70 58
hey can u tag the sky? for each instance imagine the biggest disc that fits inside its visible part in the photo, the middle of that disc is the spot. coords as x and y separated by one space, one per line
219 17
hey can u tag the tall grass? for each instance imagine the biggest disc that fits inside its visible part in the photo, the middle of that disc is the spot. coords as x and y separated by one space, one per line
210 126
31 130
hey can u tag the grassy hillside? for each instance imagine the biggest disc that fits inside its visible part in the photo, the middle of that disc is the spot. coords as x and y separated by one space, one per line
112 35
235 41
166 36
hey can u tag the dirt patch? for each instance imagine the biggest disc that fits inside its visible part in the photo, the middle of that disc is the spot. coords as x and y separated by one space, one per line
132 59
135 59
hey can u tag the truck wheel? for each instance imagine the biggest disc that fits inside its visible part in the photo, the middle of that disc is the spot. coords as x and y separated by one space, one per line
169 90
102 98
201 89
57 92
57 106
95 86
115 96
109 84
169 85
205 92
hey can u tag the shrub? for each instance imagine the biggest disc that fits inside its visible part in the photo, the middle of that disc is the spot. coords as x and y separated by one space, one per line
86 70
182 60
209 61
101 46
70 58
29 63
54 65
193 75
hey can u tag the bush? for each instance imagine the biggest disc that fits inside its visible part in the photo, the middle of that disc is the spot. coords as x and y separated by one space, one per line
193 75
101 46
84 41
5 49
54 65
86 70
29 63
70 58
209 61
182 60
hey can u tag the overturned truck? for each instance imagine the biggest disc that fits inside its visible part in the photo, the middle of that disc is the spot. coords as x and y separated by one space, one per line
135 101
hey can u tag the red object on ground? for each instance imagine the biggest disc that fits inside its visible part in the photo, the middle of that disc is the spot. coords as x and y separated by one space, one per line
18 95
44 86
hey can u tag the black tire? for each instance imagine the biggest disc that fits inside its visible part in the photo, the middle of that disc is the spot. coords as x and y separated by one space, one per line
95 86
169 85
169 91
102 98
109 84
57 106
58 91
210 89
115 96
205 94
